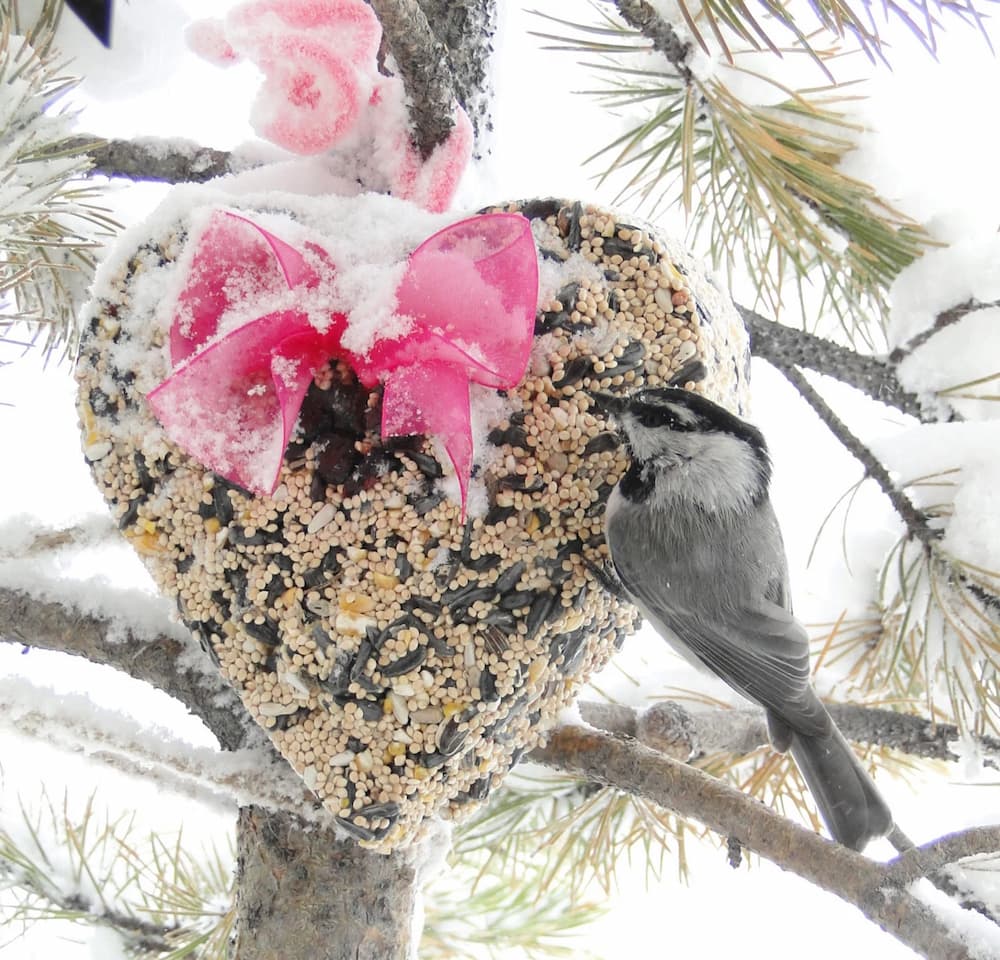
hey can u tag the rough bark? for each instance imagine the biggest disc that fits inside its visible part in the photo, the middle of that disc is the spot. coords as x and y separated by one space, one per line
628 765
305 893
466 28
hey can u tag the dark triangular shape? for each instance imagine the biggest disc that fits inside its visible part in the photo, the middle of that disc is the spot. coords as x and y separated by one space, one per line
96 14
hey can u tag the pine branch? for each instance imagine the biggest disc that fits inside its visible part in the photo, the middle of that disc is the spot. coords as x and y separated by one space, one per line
75 724
466 29
643 17
423 63
637 769
930 857
671 728
786 347
166 662
917 522
172 160
941 322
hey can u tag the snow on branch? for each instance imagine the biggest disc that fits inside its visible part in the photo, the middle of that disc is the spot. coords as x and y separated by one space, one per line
165 661
76 724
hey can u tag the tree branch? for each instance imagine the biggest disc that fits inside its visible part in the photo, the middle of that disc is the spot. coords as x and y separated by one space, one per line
150 158
916 520
76 724
423 65
466 28
944 319
786 347
930 857
671 728
166 662
630 766
643 17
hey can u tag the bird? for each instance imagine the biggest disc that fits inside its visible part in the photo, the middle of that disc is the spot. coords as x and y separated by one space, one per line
695 543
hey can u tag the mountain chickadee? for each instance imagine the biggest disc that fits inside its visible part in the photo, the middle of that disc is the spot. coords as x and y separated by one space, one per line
696 545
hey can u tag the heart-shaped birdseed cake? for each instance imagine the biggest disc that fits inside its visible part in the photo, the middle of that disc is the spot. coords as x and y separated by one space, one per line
402 617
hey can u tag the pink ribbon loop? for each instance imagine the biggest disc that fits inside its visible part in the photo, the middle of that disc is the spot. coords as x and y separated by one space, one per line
237 384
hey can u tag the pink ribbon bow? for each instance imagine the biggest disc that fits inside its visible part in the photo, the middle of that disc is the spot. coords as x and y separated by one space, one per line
237 384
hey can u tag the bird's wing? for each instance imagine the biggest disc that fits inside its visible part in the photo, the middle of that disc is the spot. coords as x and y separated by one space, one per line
762 652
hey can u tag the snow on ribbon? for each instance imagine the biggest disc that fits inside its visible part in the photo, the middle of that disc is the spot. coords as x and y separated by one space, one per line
233 396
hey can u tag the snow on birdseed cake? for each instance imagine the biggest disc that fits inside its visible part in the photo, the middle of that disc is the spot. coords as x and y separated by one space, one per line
402 659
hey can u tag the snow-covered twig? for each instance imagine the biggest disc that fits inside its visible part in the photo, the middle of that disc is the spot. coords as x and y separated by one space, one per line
628 765
74 723
149 158
944 319
175 667
915 519
930 857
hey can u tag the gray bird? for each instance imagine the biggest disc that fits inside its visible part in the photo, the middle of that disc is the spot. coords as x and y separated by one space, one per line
697 548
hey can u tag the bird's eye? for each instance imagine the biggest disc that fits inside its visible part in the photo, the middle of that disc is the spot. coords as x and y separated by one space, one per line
653 418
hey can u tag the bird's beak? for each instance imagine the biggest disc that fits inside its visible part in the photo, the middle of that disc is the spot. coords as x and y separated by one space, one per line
608 403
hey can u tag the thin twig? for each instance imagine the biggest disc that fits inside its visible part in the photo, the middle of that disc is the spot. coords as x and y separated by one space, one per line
915 519
943 320
930 857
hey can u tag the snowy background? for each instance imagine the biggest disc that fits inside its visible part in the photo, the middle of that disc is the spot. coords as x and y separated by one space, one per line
932 149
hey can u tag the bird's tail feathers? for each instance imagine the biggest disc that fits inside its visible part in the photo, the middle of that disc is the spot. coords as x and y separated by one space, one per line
848 800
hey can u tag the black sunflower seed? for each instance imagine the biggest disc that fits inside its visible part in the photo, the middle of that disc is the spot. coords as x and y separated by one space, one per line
371 710
480 790
425 463
425 504
494 639
467 595
488 686
131 513
541 209
337 460
266 632
539 611
702 312
378 811
355 830
517 599
501 619
239 537
574 372
692 370
432 759
142 473
484 563
237 580
569 225
404 664
633 356
509 578
223 505
514 481
421 603
451 739
185 563
497 515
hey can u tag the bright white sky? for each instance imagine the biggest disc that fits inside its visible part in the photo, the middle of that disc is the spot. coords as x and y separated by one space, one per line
933 149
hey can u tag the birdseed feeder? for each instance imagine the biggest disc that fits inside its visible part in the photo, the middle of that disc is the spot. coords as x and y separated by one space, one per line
355 442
